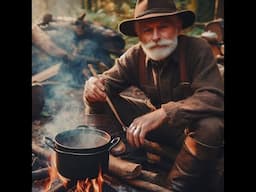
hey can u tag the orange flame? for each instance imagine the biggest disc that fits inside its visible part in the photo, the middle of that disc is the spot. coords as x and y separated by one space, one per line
87 185
53 174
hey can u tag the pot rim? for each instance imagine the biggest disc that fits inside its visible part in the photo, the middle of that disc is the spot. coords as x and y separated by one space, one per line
82 127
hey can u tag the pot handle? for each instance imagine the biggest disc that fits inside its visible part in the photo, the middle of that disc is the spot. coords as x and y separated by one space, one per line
114 142
49 142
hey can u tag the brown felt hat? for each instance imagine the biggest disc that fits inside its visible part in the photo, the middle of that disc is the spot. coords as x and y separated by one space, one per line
146 9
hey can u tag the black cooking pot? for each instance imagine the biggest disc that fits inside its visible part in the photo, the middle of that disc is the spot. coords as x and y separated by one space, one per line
82 151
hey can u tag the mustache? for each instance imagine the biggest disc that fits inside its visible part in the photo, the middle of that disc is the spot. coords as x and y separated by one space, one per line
162 42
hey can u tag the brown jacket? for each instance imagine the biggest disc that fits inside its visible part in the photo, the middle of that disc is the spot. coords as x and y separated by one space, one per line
159 81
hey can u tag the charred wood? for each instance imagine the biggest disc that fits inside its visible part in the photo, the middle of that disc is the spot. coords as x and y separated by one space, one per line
38 163
58 188
41 152
40 174
137 183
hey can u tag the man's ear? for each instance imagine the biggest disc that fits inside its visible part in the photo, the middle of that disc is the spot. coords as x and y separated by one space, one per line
136 27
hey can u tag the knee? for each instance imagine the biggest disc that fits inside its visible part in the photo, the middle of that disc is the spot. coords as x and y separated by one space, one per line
209 131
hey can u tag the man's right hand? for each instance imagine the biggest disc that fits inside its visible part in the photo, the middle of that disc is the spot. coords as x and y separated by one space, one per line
94 90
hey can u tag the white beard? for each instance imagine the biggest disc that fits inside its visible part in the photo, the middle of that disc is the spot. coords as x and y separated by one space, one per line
160 53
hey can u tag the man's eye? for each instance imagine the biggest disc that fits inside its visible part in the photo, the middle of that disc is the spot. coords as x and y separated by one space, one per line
146 30
163 26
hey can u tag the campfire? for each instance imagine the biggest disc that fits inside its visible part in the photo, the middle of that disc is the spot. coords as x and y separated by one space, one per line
84 185
55 182
131 172
122 175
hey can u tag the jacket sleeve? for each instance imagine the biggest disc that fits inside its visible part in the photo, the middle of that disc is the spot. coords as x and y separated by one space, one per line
207 87
123 73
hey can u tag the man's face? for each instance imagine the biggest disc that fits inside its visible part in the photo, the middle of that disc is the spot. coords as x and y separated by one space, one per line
158 36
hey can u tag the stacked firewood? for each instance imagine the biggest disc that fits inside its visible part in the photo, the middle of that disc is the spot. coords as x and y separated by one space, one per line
121 171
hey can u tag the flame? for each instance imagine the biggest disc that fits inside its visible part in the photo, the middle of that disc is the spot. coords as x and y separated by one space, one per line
86 185
53 174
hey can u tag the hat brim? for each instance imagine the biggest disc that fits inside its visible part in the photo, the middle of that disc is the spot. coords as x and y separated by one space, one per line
127 27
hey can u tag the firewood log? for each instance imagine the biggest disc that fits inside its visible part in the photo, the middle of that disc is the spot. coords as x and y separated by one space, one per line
40 174
124 168
41 152
46 74
147 186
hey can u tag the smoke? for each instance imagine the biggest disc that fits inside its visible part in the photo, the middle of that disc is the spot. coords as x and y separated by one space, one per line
69 110
63 101
56 7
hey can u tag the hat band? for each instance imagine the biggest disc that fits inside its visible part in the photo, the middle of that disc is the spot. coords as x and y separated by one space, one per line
156 10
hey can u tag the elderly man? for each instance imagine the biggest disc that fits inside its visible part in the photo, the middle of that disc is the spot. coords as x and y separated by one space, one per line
179 75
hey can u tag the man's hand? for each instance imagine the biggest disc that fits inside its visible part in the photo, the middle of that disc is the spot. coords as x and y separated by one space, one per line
140 126
94 90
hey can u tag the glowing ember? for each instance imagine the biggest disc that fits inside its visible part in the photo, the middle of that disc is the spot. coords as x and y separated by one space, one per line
86 185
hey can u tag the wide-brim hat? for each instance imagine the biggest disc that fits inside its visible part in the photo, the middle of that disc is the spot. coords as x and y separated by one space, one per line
146 9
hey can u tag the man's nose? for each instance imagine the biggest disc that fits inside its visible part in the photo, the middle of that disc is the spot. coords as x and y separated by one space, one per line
156 35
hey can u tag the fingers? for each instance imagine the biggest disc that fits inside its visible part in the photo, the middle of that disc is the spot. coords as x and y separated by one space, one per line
94 90
135 135
129 135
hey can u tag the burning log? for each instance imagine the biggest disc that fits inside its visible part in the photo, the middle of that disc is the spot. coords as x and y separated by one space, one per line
40 152
58 188
40 174
38 163
123 168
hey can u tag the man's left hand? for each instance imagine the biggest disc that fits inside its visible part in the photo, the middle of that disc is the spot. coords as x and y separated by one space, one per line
140 126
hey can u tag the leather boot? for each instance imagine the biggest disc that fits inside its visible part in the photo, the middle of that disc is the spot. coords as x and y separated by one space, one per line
192 166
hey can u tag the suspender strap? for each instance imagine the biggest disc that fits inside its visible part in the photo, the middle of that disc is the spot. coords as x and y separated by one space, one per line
182 62
142 68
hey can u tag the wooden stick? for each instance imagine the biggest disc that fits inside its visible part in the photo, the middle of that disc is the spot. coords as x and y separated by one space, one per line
154 147
145 101
112 107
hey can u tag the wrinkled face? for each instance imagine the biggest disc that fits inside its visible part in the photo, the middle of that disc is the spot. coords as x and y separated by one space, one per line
158 36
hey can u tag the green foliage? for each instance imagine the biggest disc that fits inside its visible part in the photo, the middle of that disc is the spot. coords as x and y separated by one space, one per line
113 19
195 31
